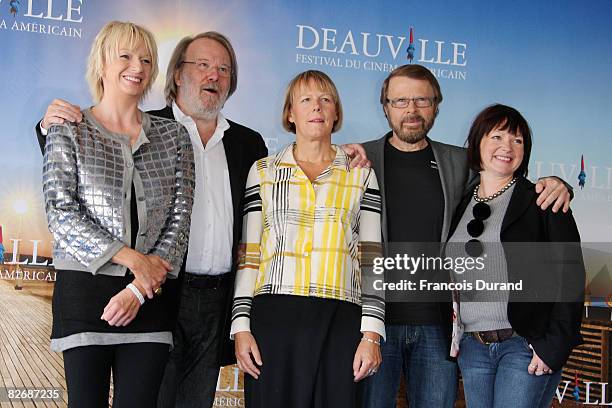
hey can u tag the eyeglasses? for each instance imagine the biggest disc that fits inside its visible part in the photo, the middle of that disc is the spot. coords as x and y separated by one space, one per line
481 211
420 102
205 66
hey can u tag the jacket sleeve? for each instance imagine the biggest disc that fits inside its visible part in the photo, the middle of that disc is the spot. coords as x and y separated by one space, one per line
373 301
563 332
262 149
72 228
249 253
40 137
173 240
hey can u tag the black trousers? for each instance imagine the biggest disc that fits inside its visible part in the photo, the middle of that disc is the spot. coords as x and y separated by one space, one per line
137 372
190 380
307 348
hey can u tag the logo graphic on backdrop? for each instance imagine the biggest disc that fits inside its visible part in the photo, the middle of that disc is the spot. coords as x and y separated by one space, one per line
589 388
14 4
582 174
378 52
45 17
411 48
598 183
1 247
27 267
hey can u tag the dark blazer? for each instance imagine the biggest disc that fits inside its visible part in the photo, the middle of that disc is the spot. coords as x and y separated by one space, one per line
456 179
455 176
243 147
552 328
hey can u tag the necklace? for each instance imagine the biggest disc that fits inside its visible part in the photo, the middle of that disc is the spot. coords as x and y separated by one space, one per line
497 194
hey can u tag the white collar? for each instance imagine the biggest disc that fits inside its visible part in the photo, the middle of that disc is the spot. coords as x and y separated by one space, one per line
189 123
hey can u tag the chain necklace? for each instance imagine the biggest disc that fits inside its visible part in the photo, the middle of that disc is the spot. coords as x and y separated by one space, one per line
497 194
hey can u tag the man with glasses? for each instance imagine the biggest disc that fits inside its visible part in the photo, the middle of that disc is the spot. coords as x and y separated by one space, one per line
421 182
202 74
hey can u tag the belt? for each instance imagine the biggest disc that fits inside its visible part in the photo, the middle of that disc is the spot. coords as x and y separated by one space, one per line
207 281
493 336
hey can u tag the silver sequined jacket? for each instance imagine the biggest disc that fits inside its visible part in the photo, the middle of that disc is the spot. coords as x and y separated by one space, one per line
87 185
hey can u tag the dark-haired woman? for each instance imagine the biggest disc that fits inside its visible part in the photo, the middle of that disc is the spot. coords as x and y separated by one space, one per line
511 349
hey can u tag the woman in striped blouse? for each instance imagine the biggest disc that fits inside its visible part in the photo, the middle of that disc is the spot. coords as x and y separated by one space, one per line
306 319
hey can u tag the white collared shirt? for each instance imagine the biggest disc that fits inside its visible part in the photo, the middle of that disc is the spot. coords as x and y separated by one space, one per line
212 218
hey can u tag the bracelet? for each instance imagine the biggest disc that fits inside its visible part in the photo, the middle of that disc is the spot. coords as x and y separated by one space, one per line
377 342
136 293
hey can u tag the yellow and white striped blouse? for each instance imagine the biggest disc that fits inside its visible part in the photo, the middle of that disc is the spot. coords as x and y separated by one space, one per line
308 238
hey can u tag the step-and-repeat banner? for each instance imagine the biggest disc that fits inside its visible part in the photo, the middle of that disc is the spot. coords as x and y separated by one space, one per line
550 61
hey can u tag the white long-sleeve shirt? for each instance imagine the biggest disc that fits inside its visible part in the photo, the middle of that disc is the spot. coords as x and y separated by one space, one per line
210 238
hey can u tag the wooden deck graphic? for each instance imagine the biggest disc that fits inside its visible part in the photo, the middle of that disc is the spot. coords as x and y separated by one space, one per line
27 362
25 357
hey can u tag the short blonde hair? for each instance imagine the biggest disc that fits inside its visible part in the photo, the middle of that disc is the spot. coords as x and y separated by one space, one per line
178 55
105 48
323 82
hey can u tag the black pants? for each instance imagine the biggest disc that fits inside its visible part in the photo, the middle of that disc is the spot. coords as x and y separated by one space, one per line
137 372
307 349
190 380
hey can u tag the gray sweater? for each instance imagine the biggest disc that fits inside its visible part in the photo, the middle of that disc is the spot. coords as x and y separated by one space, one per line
483 310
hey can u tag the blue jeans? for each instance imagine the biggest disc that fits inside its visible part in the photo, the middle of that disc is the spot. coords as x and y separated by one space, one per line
495 375
421 353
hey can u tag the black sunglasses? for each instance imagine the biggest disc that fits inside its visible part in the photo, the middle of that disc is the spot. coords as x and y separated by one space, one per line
481 211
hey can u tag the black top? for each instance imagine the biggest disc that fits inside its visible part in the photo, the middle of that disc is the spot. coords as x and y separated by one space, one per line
415 211
134 217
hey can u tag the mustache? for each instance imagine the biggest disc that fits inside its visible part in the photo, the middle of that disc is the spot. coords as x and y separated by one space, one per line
210 87
412 117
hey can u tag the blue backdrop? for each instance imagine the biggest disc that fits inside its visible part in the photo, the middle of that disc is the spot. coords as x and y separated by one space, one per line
550 61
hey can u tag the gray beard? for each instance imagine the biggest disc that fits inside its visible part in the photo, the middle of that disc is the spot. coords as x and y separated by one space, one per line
199 111
205 114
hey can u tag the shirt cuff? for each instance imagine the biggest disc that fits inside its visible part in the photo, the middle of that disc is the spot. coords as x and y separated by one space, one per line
43 131
373 324
240 324
105 257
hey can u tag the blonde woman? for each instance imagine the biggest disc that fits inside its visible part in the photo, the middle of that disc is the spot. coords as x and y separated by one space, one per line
118 191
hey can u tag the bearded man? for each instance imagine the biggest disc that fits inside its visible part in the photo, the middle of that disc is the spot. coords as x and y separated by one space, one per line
421 182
